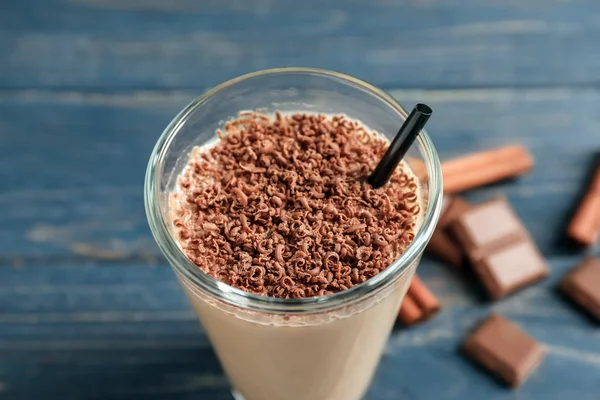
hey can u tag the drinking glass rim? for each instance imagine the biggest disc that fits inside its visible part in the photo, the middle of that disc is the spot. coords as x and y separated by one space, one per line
251 301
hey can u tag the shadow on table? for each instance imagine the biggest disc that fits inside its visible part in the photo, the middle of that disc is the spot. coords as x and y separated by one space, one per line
157 373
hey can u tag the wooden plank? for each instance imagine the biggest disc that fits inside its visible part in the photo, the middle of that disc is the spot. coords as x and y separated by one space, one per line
126 331
72 165
132 44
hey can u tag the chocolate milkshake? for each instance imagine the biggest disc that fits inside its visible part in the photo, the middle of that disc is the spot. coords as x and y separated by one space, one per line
295 266
278 207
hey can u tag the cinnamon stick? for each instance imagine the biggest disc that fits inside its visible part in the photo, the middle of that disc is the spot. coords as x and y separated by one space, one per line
585 225
424 298
410 313
418 304
486 167
441 244
442 247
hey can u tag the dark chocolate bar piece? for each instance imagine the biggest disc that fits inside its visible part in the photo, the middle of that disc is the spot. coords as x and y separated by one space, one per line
504 349
510 268
582 285
499 248
487 227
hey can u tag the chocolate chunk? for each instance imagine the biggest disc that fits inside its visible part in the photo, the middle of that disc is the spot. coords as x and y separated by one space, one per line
504 349
510 268
499 248
582 285
442 245
488 226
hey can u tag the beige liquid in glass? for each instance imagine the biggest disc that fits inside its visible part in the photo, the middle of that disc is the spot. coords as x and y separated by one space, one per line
324 356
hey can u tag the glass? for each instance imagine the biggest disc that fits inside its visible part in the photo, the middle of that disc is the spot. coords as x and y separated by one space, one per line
324 347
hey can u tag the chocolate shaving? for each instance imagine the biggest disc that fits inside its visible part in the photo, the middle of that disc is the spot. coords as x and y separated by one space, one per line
280 207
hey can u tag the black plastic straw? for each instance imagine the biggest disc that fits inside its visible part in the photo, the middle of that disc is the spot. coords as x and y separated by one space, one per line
404 139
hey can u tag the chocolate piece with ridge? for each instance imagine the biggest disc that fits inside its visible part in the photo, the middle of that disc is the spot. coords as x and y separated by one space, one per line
504 349
501 251
511 268
442 245
582 285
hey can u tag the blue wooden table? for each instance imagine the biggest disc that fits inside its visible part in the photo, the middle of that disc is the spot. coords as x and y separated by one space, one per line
89 309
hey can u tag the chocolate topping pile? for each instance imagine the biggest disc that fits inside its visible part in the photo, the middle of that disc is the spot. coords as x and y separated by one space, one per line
279 206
